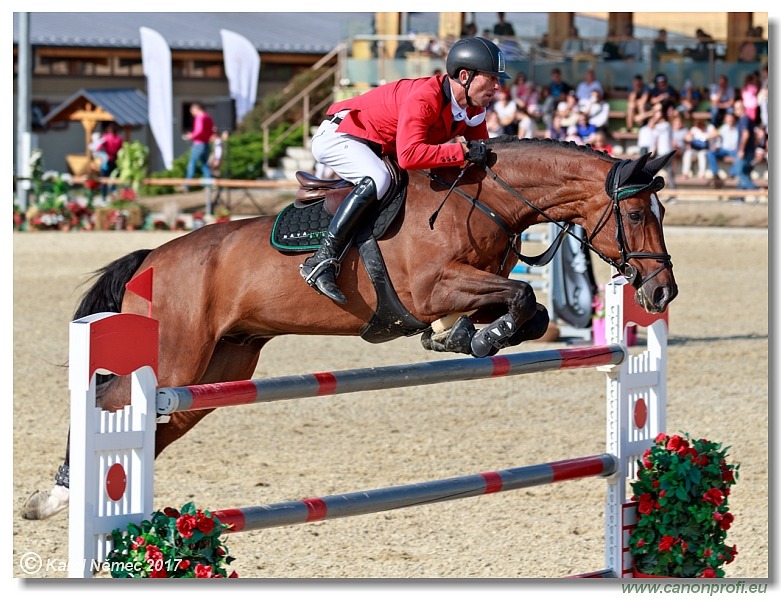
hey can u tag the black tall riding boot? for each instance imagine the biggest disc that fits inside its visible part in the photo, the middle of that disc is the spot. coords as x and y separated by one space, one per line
320 270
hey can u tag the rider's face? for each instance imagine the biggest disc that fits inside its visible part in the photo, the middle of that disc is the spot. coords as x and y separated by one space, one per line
483 88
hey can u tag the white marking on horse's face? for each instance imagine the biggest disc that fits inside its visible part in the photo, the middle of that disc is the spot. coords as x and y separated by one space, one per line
655 207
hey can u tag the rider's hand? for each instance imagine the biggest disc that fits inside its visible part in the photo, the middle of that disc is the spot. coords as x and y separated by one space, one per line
476 152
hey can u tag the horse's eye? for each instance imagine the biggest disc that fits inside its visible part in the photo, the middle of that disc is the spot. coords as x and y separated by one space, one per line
636 216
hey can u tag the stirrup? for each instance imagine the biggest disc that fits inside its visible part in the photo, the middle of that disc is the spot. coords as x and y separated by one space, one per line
318 269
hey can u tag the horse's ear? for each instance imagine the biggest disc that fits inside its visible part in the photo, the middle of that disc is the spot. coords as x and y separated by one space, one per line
628 170
657 164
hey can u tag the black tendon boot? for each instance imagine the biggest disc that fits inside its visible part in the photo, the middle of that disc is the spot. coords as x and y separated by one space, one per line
492 338
321 269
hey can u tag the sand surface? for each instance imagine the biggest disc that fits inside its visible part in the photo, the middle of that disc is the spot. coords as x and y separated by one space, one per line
718 389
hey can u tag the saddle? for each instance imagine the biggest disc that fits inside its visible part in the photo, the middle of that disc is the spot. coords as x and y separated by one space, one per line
301 226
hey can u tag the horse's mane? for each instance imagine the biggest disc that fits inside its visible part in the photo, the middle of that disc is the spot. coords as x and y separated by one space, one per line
506 140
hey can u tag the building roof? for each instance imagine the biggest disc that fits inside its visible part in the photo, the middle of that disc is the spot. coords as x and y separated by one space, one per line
127 106
305 32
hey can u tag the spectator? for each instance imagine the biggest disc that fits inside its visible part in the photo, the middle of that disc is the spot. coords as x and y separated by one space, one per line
722 98
200 136
502 27
574 44
544 43
725 145
659 47
521 89
762 96
630 47
557 92
556 131
493 125
469 30
610 49
697 139
748 49
567 109
759 41
585 130
636 101
587 86
505 108
663 92
702 51
690 99
646 136
109 143
526 126
679 133
663 135
747 144
600 142
749 96
598 110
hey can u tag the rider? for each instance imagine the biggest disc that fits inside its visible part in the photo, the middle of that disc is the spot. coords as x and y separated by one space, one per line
411 119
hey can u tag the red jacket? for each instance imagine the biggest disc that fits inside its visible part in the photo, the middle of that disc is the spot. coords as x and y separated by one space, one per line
412 119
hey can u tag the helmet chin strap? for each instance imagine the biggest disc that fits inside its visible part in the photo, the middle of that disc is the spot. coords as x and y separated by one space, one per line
466 87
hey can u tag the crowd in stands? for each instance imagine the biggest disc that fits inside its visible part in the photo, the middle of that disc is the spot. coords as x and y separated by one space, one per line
717 132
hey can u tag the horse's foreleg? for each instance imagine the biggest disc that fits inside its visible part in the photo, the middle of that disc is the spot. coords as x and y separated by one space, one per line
521 317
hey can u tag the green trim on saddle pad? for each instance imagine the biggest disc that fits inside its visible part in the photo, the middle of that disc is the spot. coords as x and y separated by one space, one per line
300 229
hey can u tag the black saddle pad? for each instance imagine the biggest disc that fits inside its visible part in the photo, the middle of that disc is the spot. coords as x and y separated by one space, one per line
302 229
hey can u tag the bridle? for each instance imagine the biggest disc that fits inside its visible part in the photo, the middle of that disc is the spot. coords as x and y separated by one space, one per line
615 191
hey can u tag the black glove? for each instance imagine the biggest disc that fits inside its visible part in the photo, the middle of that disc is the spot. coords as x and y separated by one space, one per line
477 152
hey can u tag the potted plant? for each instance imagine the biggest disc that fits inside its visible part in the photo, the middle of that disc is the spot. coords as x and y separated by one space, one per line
171 544
682 489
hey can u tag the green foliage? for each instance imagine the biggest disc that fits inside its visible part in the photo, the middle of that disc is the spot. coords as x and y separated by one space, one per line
171 544
132 160
682 489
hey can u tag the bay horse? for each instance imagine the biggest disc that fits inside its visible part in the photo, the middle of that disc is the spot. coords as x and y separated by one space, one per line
222 291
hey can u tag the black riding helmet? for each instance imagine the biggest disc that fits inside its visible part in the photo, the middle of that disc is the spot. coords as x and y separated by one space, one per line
475 54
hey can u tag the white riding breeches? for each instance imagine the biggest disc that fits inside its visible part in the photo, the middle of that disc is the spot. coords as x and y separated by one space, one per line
349 157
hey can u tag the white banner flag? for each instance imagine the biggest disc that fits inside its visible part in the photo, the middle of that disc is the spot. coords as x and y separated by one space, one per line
242 68
156 56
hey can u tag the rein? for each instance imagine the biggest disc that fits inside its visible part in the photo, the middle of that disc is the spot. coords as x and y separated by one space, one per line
538 261
616 194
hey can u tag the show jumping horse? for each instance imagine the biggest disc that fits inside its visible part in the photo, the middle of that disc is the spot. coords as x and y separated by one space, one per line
223 291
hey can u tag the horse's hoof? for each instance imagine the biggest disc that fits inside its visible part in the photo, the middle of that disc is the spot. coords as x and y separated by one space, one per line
42 505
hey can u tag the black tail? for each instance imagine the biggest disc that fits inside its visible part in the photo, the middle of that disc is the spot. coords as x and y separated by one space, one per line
107 292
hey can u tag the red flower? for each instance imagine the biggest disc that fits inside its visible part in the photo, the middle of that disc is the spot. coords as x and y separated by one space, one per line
127 194
185 525
714 496
726 475
726 521
184 565
233 575
707 572
203 571
153 554
640 543
160 573
662 437
733 552
203 523
647 504
138 542
667 542
675 442
656 484
708 552
171 512
704 460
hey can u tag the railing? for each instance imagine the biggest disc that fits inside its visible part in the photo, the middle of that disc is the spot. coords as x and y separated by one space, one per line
303 98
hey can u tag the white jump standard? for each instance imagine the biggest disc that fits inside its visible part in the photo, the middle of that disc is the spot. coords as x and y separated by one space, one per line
112 454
